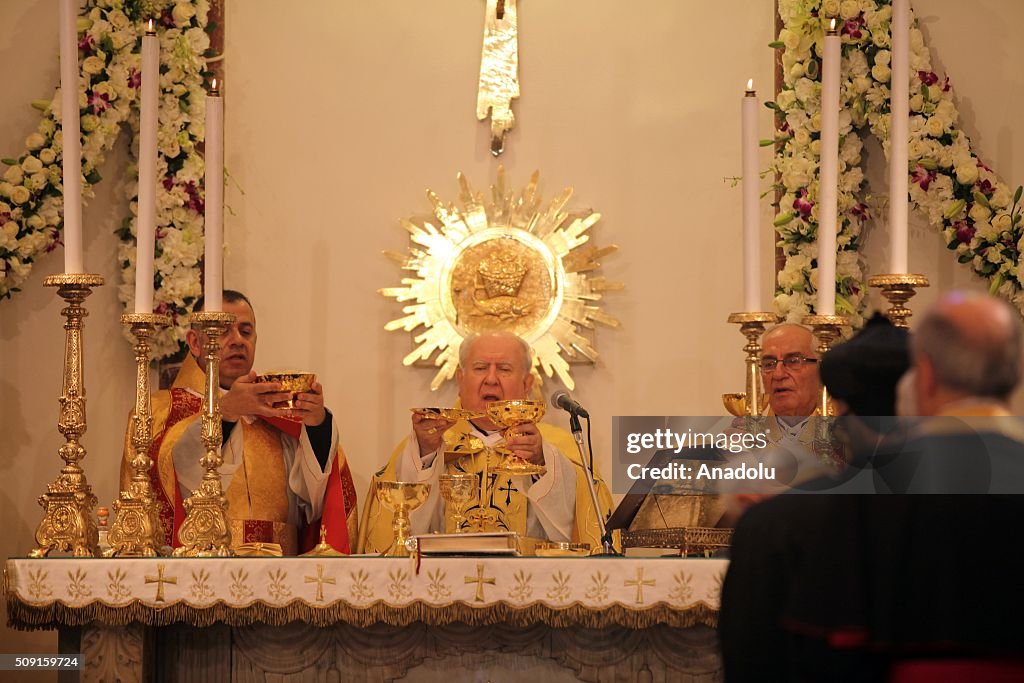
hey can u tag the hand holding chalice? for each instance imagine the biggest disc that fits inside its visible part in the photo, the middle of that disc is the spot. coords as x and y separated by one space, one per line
510 415
300 395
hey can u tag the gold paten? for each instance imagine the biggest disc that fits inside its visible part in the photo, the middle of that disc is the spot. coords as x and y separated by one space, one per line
499 71
898 289
205 532
68 523
452 414
137 529
401 497
502 261
561 549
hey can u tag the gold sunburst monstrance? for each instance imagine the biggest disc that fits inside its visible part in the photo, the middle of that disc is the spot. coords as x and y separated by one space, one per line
502 262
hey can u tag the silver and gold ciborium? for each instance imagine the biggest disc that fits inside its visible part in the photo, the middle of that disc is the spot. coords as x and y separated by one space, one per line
401 498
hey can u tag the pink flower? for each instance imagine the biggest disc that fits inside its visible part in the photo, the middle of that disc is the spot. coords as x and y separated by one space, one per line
99 102
135 79
964 231
852 27
860 211
923 176
802 204
928 77
985 187
86 44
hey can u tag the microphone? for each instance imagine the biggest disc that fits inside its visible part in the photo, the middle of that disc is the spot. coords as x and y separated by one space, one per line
562 399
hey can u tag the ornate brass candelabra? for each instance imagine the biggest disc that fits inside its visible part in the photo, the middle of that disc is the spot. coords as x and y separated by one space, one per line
898 288
752 326
205 532
68 523
137 529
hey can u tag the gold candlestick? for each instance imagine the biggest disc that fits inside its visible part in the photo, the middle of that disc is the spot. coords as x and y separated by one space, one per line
68 523
752 326
205 532
898 288
827 329
137 529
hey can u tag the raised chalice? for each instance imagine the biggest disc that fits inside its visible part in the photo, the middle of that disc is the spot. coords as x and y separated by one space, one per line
401 497
458 489
509 415
293 382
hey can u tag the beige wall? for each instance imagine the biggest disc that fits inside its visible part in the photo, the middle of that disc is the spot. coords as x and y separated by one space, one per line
341 115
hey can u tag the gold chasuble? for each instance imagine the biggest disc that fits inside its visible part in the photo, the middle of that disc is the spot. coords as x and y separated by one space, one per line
504 495
258 493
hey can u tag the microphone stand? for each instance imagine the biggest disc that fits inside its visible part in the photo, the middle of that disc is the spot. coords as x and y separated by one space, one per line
577 435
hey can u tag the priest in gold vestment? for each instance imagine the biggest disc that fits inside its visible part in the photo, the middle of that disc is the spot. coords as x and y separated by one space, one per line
284 472
556 505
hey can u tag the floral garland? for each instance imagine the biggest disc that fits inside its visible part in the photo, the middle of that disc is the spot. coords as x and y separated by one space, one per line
977 214
31 194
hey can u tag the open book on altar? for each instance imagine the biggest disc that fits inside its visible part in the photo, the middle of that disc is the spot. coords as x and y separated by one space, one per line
485 543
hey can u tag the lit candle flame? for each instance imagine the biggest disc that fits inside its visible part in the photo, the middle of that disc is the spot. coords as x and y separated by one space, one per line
832 24
150 26
750 84
214 86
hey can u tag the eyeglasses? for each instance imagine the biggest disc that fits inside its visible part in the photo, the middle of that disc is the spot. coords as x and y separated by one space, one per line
791 363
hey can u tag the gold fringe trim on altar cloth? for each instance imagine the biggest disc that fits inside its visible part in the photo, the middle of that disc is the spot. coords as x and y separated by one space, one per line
27 617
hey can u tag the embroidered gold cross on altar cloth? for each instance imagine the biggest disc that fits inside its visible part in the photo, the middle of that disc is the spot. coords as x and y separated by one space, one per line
499 70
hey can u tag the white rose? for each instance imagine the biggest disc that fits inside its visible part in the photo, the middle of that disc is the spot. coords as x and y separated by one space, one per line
1001 197
916 39
798 70
935 92
36 222
90 122
861 84
815 121
967 174
31 165
14 175
916 102
785 100
9 236
93 65
935 127
789 38
883 57
47 156
830 8
980 213
881 73
1002 222
39 180
804 89
849 9
183 13
34 141
20 194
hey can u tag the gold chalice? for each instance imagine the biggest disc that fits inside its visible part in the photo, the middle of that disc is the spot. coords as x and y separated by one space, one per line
291 381
457 490
736 403
401 497
510 414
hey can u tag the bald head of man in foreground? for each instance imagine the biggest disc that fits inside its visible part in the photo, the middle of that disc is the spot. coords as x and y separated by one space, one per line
967 349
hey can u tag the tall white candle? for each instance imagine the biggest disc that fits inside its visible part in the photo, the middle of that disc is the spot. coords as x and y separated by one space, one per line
146 221
751 196
899 136
214 245
71 135
828 189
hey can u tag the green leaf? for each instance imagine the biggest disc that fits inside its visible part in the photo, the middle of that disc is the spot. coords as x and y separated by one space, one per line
771 105
982 199
1017 194
93 177
783 218
776 44
9 161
